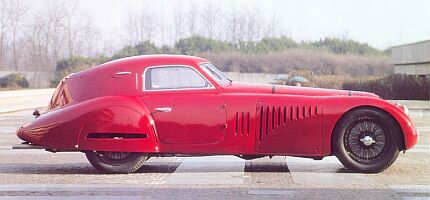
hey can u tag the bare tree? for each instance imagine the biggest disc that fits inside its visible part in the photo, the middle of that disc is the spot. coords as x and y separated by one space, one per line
141 24
38 44
192 19
254 23
272 25
47 35
91 38
161 26
80 33
55 26
179 23
236 25
71 31
209 20
17 11
4 27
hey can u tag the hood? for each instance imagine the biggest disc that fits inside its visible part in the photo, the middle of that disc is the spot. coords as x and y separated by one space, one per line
236 87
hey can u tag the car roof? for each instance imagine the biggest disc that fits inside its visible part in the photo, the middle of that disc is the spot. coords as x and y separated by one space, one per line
162 59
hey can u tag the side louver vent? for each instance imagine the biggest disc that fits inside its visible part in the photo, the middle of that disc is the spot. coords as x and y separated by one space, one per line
269 118
242 123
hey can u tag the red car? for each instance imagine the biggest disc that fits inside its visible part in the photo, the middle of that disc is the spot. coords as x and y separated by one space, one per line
125 111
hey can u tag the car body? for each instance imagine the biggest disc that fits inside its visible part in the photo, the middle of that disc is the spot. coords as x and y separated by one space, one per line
164 105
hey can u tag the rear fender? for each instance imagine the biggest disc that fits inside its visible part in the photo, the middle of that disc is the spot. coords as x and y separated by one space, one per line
121 124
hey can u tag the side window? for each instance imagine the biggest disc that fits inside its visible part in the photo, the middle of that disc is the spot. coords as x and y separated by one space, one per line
163 78
159 78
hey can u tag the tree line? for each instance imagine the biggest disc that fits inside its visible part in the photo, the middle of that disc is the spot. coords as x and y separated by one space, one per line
198 44
36 35
330 56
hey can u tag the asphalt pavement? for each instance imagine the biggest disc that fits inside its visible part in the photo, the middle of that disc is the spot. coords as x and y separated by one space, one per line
37 174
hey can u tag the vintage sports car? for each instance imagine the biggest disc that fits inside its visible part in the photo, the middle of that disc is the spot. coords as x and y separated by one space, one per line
125 111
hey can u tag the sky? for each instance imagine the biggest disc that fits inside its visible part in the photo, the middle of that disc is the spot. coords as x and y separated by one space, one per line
380 23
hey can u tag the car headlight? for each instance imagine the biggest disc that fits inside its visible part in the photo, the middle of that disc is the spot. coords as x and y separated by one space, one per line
403 108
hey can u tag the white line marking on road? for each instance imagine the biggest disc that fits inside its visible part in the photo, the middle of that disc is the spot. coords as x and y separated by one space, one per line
209 170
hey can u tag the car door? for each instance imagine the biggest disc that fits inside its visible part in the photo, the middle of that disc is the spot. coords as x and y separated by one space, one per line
187 109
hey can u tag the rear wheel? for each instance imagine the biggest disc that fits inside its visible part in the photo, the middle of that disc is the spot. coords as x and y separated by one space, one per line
116 162
366 140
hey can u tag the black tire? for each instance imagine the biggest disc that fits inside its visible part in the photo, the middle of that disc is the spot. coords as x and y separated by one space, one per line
366 140
116 162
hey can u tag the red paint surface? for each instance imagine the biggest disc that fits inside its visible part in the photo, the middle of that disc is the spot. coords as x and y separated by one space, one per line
234 119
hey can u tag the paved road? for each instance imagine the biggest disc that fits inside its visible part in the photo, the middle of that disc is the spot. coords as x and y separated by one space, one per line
36 174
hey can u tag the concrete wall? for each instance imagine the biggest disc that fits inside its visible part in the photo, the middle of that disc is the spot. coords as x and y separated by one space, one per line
411 58
413 69
411 53
36 79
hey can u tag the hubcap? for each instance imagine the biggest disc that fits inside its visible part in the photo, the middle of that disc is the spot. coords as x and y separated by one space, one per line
367 140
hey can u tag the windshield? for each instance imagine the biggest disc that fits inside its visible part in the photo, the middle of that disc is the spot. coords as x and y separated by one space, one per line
215 73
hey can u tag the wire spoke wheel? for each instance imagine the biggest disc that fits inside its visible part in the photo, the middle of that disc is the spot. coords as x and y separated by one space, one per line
114 157
116 162
365 140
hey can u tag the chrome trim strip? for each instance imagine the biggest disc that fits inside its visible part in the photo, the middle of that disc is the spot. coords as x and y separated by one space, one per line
165 109
123 73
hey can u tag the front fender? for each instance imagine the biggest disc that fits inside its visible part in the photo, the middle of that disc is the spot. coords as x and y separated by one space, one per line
335 107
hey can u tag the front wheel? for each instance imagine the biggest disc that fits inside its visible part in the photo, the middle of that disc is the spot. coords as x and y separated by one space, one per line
116 162
366 140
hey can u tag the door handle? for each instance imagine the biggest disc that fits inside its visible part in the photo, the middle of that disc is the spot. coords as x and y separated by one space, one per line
166 109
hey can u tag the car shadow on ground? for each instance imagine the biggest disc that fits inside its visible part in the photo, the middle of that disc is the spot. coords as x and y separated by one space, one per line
158 167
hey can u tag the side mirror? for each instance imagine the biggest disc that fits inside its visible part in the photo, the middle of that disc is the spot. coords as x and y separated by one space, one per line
36 113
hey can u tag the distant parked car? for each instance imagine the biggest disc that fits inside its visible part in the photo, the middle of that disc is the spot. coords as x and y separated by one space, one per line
123 112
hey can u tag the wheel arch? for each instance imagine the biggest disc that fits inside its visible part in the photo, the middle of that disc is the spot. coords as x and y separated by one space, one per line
400 142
